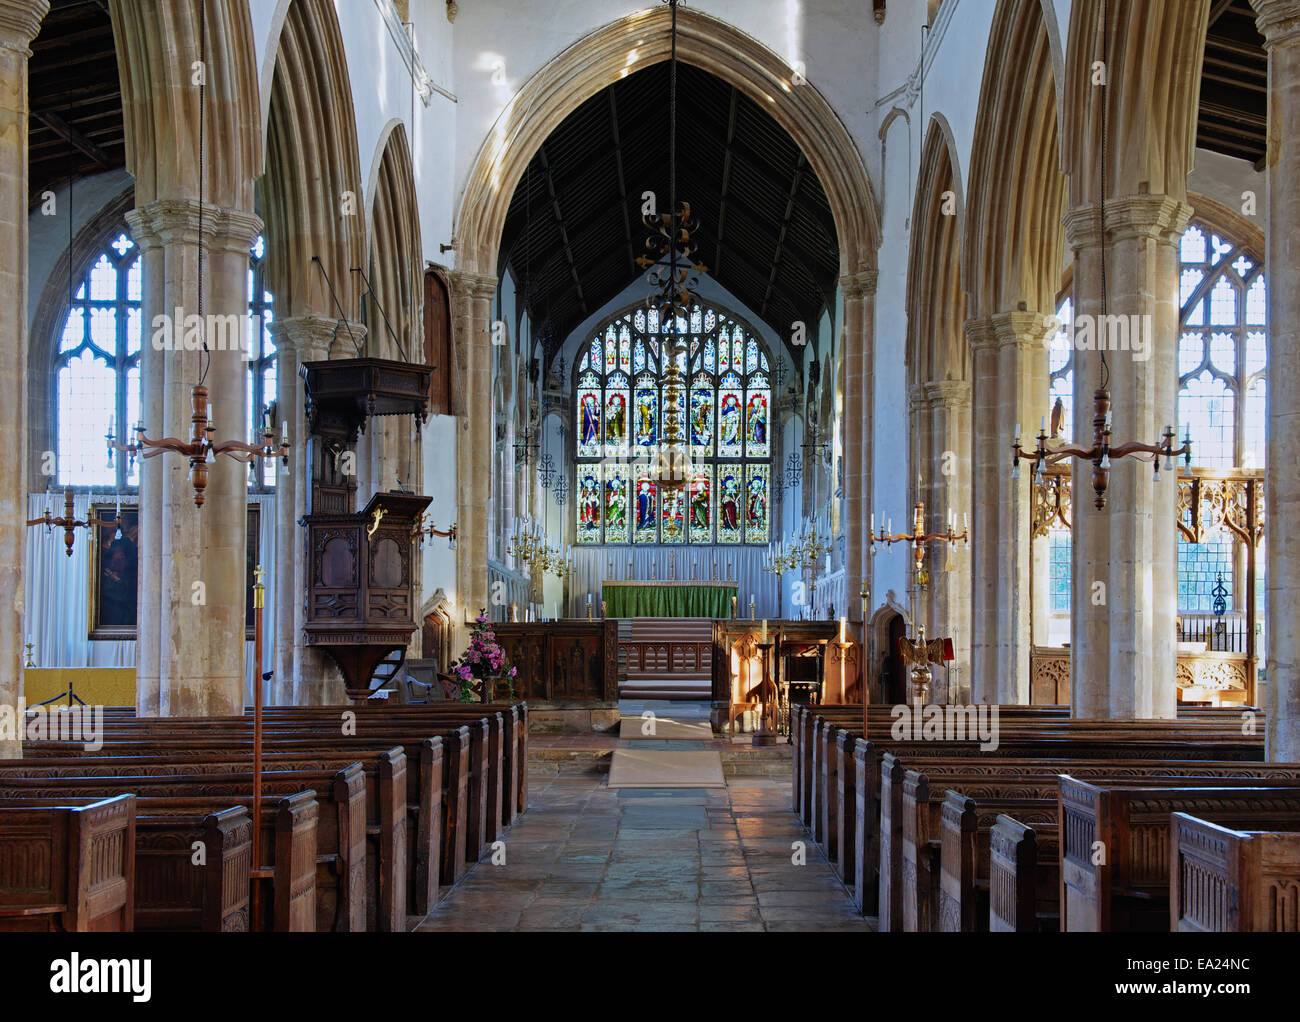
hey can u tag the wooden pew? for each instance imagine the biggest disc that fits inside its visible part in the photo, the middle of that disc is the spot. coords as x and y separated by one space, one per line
1020 868
472 777
339 837
439 794
825 771
1004 779
964 890
1225 880
1129 888
68 869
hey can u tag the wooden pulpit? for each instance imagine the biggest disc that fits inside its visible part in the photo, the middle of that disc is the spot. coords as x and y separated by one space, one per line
360 585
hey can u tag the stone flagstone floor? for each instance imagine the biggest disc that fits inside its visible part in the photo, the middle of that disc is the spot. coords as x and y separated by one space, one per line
587 858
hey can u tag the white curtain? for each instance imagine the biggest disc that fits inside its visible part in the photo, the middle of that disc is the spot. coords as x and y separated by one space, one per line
56 616
592 565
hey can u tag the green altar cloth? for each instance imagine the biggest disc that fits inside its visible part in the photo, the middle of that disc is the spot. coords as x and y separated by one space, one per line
668 599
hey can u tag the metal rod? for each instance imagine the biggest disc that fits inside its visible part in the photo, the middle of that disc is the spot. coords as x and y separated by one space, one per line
380 306
337 306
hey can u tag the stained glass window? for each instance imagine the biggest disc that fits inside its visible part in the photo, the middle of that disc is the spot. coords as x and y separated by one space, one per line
727 414
97 367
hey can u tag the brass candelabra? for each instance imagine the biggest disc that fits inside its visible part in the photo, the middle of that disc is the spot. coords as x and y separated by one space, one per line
1101 452
201 449
69 522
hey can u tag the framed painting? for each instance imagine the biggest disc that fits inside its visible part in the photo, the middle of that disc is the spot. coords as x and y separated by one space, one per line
114 566
114 570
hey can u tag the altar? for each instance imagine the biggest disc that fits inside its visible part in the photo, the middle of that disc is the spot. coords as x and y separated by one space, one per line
669 599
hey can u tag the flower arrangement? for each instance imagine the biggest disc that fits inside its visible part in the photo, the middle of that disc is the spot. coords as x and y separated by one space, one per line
484 659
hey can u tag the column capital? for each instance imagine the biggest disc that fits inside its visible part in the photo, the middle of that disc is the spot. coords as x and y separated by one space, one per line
20 21
467 284
1025 329
315 338
947 393
859 285
176 221
981 335
1278 21
917 397
1160 217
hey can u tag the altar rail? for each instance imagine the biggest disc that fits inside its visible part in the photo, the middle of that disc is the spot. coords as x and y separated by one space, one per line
562 660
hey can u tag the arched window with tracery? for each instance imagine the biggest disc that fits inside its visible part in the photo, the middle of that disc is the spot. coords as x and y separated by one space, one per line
618 429
1221 350
1222 368
97 367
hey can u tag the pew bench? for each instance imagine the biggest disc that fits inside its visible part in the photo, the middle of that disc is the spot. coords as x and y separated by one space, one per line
68 868
1227 880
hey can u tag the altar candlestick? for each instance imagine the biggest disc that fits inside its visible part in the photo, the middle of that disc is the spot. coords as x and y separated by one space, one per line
764 639
842 624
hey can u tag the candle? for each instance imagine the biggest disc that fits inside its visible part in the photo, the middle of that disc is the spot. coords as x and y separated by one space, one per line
1017 434
284 430
1042 424
589 599
111 420
555 609
843 622
764 639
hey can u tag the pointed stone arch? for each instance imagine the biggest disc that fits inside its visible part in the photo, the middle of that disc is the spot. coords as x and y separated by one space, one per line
580 71
395 247
1015 247
628 45
936 300
1155 53
314 207
157 42
939 384
312 194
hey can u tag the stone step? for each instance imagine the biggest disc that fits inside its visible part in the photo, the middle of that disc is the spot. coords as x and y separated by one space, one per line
737 761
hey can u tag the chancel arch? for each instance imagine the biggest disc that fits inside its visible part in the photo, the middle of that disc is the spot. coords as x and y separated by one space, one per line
594 63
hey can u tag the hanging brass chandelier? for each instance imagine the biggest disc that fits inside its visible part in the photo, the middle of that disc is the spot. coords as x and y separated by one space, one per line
69 522
674 294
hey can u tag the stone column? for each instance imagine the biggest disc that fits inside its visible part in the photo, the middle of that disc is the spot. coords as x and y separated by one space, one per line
1125 566
859 292
948 488
471 310
1021 398
20 20
1279 21
990 461
192 587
